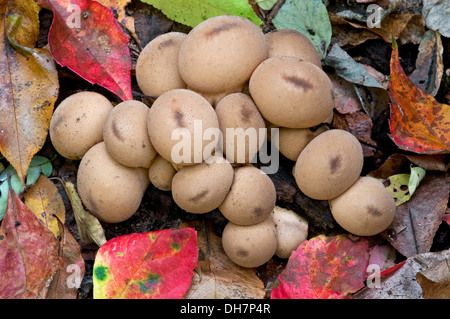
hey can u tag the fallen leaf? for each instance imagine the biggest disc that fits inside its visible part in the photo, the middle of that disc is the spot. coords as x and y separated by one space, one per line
86 38
28 253
324 268
89 227
217 277
418 122
309 18
402 283
436 16
44 200
345 98
118 7
157 264
403 186
28 87
360 125
67 280
435 281
429 64
416 221
192 12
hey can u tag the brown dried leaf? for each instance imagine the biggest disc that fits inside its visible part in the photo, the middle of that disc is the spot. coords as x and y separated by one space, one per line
217 277
435 281
417 220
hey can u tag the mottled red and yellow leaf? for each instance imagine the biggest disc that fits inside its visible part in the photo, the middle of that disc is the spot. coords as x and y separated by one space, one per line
156 264
418 122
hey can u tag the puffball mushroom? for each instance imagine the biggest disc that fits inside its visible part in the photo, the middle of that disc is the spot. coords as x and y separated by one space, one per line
293 140
77 123
292 230
202 188
287 42
161 173
250 246
240 123
251 198
329 164
126 137
291 93
110 191
157 65
220 54
178 123
365 209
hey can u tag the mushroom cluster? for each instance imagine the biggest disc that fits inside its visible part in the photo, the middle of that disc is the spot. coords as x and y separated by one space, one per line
224 76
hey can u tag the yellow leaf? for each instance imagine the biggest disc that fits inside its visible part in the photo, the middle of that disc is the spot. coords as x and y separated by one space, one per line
44 200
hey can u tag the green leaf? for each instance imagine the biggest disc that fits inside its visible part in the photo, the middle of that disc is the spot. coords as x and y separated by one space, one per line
192 12
403 186
310 17
266 4
37 166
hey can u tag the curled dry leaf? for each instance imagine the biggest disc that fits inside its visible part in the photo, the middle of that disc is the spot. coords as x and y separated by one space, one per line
435 281
217 277
28 87
89 227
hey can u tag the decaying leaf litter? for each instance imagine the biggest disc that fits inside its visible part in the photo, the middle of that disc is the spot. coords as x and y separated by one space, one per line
357 58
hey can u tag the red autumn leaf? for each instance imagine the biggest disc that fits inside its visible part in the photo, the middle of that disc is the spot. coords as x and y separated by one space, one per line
28 253
418 122
86 38
156 264
324 268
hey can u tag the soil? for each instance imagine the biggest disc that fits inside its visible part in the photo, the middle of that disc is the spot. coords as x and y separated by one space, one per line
158 210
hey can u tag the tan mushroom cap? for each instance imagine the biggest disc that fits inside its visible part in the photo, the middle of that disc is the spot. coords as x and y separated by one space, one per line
157 65
161 173
252 197
220 54
110 191
293 140
329 164
177 123
126 137
291 93
77 123
287 42
250 246
365 209
240 119
202 188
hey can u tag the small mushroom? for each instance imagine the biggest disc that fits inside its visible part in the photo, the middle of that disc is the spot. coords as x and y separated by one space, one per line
202 188
293 140
292 230
242 126
110 191
298 94
329 164
157 65
126 137
161 173
77 123
365 209
219 55
287 42
250 246
176 124
252 197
